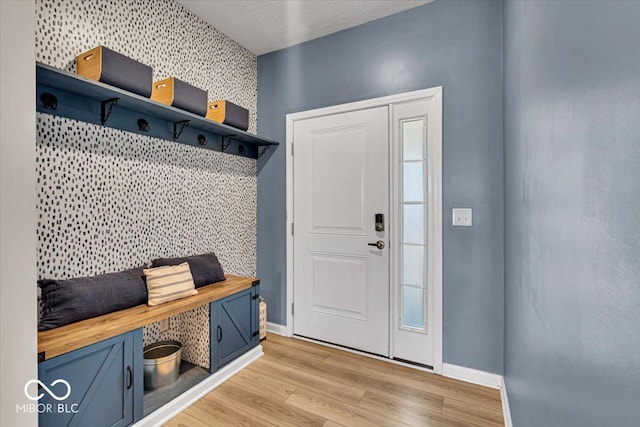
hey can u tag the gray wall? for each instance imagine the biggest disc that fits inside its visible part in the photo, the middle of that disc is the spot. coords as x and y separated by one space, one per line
456 44
572 194
18 310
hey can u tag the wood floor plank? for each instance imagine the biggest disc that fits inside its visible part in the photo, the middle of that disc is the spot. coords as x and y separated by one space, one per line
338 390
437 384
302 383
412 413
400 388
474 414
433 404
186 420
337 411
215 413
318 350
265 408
261 383
471 396
301 344
275 349
469 388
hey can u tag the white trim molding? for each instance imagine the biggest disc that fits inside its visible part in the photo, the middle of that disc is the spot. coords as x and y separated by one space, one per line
473 376
289 214
506 410
174 407
435 95
275 328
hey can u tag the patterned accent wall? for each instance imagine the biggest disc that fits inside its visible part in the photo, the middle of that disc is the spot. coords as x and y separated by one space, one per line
110 200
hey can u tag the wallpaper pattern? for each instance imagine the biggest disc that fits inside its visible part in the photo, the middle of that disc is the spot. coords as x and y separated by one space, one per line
110 200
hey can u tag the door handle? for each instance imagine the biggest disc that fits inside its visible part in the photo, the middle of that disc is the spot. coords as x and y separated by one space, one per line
379 244
219 334
130 372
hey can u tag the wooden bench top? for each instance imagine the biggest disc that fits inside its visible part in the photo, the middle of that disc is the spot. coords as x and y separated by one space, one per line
54 342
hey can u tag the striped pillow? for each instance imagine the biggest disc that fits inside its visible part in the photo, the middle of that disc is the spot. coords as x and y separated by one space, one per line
169 283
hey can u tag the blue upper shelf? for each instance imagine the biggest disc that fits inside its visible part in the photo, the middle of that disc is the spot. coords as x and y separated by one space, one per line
79 98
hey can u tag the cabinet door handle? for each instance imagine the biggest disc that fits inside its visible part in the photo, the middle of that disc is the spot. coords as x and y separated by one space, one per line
130 371
219 333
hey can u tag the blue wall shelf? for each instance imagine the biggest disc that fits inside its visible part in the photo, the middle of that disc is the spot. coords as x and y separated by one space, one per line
65 94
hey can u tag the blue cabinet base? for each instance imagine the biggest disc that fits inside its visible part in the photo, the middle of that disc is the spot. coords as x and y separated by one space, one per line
105 379
233 326
104 384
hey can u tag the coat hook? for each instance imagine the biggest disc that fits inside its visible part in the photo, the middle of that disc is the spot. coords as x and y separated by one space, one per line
143 125
49 101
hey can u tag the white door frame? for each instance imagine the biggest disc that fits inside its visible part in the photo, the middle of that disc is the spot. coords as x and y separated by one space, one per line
435 274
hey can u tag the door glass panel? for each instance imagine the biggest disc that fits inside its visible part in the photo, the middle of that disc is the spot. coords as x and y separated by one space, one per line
412 265
413 307
412 182
412 205
413 224
412 140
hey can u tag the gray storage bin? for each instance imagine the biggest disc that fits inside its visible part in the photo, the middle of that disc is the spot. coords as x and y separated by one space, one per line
161 364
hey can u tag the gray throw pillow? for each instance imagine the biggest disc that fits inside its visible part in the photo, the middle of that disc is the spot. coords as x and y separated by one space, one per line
72 300
205 269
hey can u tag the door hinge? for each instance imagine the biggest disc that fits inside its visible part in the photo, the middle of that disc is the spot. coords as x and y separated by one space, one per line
292 310
292 229
292 148
255 334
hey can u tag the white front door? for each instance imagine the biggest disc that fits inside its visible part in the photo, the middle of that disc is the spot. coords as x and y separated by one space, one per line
340 182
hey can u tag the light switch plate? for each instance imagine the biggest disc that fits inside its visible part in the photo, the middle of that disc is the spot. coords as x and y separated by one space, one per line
462 217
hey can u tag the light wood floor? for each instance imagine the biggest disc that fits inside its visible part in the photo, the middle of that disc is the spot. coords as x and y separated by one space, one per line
299 383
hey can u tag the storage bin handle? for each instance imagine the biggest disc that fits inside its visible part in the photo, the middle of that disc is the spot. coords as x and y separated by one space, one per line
161 85
89 57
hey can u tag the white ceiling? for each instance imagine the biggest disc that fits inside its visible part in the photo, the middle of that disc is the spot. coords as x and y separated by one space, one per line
266 25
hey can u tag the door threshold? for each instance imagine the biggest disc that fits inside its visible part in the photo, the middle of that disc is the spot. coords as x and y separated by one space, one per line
409 362
395 361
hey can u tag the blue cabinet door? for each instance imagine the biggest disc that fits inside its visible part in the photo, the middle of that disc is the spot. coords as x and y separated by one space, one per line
233 326
104 383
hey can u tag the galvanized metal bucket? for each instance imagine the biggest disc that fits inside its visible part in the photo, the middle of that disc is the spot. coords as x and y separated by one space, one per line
161 364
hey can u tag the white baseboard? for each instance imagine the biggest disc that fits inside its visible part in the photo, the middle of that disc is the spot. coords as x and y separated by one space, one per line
474 376
506 411
189 397
277 329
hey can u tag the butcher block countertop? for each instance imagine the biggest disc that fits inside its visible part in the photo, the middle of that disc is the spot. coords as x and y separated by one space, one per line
54 342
